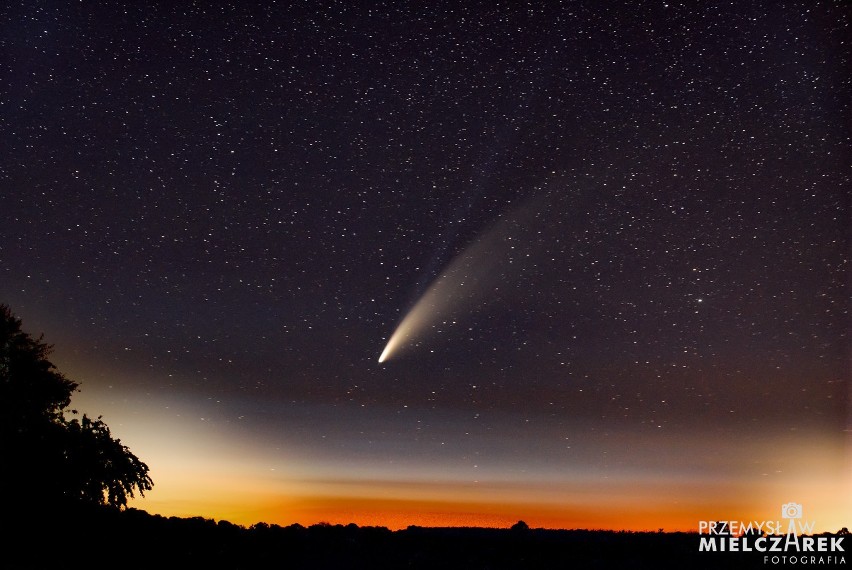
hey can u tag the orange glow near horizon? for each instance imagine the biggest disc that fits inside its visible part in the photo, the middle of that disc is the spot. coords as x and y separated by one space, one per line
216 471
620 505
400 513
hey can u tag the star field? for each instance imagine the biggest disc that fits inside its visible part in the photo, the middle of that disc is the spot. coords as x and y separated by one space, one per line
218 213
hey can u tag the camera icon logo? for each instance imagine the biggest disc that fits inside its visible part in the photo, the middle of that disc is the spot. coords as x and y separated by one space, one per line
791 510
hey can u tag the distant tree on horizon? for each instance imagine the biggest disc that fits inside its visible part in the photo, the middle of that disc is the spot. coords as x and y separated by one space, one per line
50 462
520 526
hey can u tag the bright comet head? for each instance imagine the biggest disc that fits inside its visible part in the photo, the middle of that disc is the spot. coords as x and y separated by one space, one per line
384 355
412 322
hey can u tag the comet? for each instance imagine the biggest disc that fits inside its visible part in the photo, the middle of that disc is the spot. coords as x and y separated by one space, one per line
471 281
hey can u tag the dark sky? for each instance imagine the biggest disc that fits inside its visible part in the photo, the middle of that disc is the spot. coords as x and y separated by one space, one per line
220 212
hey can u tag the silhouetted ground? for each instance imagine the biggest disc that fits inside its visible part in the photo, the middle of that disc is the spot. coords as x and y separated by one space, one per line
135 539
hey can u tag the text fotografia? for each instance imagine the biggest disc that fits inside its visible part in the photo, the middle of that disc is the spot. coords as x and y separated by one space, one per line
783 542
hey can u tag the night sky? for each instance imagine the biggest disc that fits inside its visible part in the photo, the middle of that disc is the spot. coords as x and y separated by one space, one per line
628 227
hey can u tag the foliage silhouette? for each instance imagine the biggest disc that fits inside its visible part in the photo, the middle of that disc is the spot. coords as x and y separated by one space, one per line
51 462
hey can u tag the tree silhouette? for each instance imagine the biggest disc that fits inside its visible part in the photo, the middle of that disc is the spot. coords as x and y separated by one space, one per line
520 526
51 462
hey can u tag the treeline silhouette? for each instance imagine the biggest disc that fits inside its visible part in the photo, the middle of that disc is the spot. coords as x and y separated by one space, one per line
132 538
